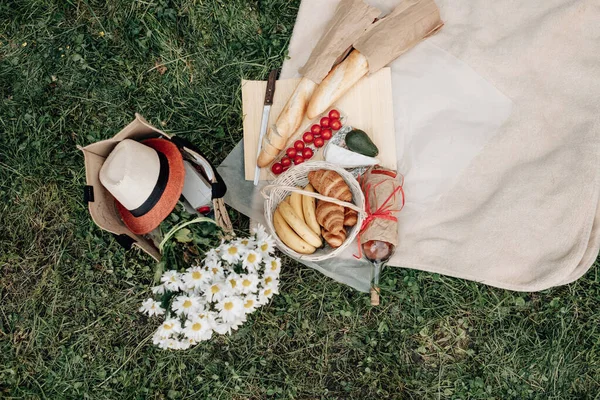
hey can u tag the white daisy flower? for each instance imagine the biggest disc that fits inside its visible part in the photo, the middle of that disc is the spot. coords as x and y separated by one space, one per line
172 280
170 327
272 266
186 305
223 327
175 344
252 260
151 307
212 256
215 271
216 291
270 281
266 246
260 232
233 283
230 308
249 283
195 277
266 293
160 289
197 329
250 304
231 253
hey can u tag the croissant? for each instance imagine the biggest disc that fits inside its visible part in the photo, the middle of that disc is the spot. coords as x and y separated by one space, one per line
330 183
330 216
334 239
350 217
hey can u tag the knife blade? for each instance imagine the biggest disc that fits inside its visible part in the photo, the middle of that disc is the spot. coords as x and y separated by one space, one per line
265 118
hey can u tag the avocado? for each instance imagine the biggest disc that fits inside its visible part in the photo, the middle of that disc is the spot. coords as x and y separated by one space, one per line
359 142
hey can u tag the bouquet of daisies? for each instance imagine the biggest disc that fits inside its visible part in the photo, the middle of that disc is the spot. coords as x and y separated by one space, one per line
216 293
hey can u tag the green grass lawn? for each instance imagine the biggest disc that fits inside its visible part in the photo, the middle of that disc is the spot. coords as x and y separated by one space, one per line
73 72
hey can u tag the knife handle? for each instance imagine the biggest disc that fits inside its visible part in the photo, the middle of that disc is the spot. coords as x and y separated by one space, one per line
270 88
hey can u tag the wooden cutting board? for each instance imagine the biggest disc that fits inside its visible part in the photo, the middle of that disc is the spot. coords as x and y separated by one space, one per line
367 106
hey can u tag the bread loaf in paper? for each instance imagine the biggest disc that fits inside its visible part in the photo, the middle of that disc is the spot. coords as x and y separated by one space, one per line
341 78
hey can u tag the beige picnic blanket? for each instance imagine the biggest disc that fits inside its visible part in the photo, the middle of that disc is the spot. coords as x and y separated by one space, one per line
515 202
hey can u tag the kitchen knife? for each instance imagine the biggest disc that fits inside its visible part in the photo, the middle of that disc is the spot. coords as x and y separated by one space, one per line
265 118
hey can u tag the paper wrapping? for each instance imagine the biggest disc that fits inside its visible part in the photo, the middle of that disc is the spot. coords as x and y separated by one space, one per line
409 23
378 185
350 21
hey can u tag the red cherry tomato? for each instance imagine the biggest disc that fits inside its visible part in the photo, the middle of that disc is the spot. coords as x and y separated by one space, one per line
277 168
319 142
335 124
298 160
326 134
315 129
299 145
307 153
286 168
308 137
285 161
325 122
334 114
291 152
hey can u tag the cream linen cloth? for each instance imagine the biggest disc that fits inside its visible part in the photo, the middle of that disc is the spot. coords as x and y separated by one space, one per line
514 202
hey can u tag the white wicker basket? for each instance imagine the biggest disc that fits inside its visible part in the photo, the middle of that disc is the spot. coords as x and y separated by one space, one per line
296 176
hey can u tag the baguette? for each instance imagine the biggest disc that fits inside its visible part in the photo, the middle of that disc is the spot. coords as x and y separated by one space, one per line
288 121
341 78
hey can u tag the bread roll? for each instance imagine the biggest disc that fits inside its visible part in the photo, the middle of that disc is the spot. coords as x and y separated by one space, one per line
334 239
289 120
330 216
341 78
350 217
329 183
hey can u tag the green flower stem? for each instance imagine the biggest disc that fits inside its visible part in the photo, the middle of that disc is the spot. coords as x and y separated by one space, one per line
180 226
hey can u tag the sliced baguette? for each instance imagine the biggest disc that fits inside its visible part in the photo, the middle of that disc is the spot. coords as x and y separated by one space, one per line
288 122
341 78
268 153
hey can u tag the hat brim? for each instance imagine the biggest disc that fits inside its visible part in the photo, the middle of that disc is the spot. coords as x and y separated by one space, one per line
170 196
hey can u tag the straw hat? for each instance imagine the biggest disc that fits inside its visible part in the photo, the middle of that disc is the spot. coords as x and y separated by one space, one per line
146 179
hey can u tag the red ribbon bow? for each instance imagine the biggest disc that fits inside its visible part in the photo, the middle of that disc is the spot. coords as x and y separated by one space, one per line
383 212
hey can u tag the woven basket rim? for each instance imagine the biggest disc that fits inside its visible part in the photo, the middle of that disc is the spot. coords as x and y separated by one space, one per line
292 177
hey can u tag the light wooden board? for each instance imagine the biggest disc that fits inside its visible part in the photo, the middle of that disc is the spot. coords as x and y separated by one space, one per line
367 106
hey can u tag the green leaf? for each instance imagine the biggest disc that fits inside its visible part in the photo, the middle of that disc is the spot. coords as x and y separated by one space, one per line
519 301
183 235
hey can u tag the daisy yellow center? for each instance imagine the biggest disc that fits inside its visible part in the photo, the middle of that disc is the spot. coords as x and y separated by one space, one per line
268 280
267 292
215 270
172 279
196 326
196 275
233 283
251 258
167 326
232 250
273 265
153 306
249 304
228 306
187 304
215 289
246 283
264 247
245 242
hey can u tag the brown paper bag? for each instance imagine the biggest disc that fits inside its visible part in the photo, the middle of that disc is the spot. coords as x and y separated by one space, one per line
384 198
351 19
399 31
